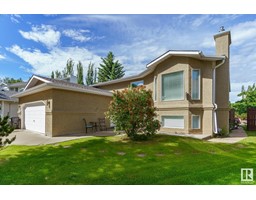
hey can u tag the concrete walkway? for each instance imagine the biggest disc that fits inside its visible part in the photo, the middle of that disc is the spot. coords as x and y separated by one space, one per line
235 136
25 137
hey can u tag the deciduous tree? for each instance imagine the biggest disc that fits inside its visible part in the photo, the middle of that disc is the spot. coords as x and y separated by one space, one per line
80 73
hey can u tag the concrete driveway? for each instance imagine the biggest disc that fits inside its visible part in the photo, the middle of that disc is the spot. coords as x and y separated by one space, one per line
25 137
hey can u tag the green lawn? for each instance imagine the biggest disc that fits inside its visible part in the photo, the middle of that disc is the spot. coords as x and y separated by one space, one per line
115 160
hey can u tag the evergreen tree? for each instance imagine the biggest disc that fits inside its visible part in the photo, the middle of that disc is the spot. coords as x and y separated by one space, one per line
80 73
5 130
90 74
110 69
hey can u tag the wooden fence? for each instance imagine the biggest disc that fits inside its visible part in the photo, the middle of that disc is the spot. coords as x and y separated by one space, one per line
251 119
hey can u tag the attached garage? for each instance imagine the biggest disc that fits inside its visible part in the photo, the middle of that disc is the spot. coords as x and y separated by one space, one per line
35 118
57 107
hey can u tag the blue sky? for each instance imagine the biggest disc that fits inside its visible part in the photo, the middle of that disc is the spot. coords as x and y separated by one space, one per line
38 44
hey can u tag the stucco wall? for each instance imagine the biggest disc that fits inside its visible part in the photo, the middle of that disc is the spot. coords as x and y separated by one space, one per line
223 40
186 107
69 109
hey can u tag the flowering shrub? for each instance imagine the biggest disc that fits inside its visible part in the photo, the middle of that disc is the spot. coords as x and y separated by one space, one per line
132 110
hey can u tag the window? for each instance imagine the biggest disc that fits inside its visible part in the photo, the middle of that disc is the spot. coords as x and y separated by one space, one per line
137 83
173 86
173 122
195 122
155 88
195 82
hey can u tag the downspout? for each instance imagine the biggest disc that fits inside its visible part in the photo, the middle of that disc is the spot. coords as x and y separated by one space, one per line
215 106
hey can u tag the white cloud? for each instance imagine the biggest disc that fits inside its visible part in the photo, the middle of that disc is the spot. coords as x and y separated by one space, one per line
15 18
45 34
200 20
55 59
244 33
76 35
2 57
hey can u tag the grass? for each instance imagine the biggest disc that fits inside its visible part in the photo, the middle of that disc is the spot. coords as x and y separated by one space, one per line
115 160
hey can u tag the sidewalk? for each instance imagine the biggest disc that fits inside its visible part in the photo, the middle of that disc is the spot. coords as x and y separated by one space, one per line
235 136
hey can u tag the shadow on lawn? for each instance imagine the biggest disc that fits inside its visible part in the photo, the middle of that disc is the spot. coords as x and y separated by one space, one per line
162 160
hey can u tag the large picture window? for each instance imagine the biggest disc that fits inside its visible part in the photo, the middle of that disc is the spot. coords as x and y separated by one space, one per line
173 86
195 82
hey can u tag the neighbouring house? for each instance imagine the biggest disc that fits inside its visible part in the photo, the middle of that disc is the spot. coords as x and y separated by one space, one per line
8 104
57 107
17 87
190 89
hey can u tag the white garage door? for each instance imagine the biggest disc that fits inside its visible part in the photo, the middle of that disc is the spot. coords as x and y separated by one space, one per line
35 118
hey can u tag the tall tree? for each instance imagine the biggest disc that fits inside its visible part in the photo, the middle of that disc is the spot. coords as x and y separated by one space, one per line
52 75
95 76
90 74
242 92
110 69
80 73
69 69
58 74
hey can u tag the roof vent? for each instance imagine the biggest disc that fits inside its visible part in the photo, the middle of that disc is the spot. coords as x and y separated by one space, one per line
222 29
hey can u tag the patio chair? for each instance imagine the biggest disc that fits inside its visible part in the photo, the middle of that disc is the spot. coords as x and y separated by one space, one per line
89 125
102 124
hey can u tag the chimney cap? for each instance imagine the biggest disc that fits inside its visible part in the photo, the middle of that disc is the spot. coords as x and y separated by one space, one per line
222 29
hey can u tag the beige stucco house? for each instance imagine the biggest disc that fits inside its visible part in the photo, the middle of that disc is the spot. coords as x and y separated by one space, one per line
57 107
190 90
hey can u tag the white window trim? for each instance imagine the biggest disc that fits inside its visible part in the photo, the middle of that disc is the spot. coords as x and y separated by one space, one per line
192 122
182 99
136 81
173 116
155 88
192 84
